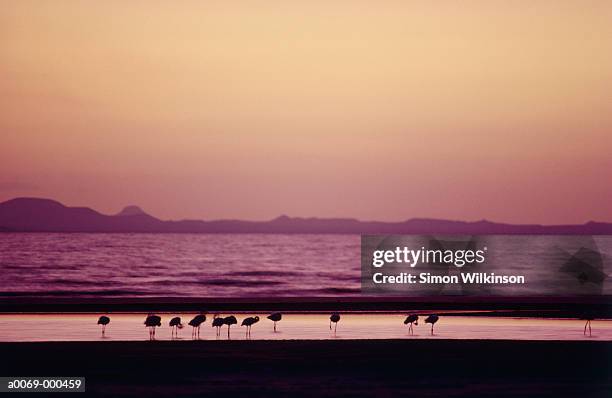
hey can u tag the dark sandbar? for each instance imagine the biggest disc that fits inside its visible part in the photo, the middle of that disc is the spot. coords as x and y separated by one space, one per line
387 368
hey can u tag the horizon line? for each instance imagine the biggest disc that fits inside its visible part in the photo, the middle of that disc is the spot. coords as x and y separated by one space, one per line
285 216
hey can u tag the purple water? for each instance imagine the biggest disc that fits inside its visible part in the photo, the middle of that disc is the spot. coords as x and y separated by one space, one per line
149 265
232 265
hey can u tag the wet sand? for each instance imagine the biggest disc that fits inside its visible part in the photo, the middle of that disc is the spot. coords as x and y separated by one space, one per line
306 368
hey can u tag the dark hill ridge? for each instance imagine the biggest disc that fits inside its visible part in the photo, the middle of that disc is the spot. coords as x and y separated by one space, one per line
132 211
45 215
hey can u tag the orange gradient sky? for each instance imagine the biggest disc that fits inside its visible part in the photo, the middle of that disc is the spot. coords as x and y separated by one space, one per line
370 109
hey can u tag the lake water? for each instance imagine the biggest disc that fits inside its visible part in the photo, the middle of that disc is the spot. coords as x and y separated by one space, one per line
255 265
123 327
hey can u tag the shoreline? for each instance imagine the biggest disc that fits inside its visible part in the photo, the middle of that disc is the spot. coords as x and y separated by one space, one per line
542 307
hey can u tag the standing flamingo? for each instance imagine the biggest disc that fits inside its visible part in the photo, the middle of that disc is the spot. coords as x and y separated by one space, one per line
217 323
152 322
195 324
275 317
335 318
411 319
103 320
433 318
588 317
248 322
175 324
229 321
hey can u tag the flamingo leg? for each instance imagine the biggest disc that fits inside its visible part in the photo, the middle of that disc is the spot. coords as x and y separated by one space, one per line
274 326
335 327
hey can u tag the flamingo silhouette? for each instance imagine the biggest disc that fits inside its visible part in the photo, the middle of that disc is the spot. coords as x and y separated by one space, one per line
175 324
588 317
217 323
433 318
248 322
335 318
195 324
229 321
275 317
152 321
411 319
103 320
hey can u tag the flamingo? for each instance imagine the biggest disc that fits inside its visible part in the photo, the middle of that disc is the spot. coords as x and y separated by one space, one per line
335 318
195 324
152 322
175 324
248 322
275 317
229 321
103 320
217 323
588 317
433 318
411 319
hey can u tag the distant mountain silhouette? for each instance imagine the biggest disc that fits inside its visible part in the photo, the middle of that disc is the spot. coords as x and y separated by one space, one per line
132 211
45 215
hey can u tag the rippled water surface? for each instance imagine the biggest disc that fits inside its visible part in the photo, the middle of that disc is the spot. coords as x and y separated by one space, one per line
252 265
179 264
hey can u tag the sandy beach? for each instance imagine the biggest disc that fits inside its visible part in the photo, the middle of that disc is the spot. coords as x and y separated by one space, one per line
384 368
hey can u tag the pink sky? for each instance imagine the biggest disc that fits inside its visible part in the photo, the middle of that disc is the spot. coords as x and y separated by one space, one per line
250 109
